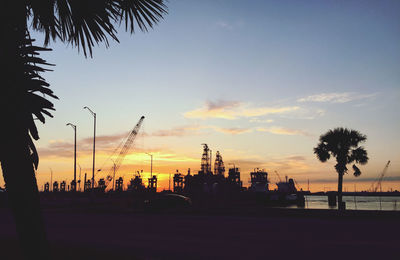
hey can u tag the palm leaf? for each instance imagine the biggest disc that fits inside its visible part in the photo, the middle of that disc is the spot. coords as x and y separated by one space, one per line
84 23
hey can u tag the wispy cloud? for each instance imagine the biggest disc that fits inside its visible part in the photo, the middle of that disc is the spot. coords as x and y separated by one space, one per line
64 149
283 131
224 25
233 130
257 120
233 110
105 139
230 26
178 131
296 158
336 97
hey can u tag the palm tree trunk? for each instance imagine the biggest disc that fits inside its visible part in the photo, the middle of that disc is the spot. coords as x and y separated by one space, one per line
340 188
15 154
23 195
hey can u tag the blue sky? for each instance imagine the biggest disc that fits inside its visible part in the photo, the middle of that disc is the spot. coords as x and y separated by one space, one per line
257 80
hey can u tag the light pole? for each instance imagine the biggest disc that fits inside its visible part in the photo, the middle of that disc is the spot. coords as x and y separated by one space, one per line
51 180
94 143
80 169
151 165
74 127
113 176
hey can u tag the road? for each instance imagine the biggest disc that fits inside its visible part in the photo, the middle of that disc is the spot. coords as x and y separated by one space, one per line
128 235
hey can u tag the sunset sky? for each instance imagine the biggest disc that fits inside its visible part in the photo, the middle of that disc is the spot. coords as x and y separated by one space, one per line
259 81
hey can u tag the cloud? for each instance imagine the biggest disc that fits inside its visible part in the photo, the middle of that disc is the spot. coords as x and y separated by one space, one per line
233 109
336 97
283 131
217 109
196 130
178 131
283 166
256 120
57 148
232 131
221 104
230 26
105 139
224 25
64 149
296 158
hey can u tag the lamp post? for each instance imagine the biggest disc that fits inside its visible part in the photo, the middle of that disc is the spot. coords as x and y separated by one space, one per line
80 169
113 176
51 180
94 143
151 165
74 127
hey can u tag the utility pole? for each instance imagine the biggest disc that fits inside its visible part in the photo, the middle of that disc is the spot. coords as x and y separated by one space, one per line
94 143
51 179
79 177
84 185
151 165
169 182
74 127
113 188
210 161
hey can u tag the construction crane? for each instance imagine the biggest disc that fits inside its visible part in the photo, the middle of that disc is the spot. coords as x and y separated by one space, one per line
378 181
120 157
298 186
280 180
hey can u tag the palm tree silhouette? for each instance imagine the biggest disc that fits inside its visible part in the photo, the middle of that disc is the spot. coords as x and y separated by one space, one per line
81 23
343 144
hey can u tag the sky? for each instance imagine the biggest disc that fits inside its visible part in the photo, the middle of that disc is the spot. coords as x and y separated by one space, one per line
258 81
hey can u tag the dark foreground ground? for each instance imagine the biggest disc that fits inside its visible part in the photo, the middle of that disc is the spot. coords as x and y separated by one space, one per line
248 234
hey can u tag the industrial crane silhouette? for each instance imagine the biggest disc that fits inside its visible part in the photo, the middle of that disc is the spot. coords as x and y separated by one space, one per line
124 150
280 180
378 181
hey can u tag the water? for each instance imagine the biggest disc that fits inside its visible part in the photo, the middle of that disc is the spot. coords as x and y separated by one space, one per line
356 202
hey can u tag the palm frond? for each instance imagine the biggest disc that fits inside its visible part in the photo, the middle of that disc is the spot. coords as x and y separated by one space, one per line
84 23
43 18
33 82
357 171
142 12
321 152
359 155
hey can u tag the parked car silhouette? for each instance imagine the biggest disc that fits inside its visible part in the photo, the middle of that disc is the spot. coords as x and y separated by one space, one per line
167 202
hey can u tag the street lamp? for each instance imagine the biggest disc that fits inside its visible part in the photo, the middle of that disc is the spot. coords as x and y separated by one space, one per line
113 176
74 127
151 165
94 143
80 169
51 180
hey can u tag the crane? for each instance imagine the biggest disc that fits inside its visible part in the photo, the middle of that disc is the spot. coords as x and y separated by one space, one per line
298 186
374 188
120 157
280 180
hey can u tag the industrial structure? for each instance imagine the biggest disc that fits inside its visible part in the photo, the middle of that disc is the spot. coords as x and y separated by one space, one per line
219 167
259 180
377 184
178 182
105 183
204 182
